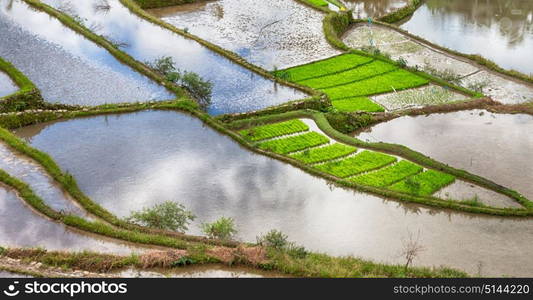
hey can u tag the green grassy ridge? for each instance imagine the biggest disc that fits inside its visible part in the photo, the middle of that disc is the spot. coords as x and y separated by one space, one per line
361 162
322 154
366 71
396 80
147 4
27 97
328 66
319 3
274 130
315 4
388 175
395 149
294 143
402 13
424 184
354 104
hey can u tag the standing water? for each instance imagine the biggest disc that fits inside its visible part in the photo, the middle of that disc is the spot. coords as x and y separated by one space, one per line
363 9
65 66
7 86
235 88
500 30
159 156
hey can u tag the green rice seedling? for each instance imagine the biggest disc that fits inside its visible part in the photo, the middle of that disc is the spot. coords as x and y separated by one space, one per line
274 130
352 75
393 81
322 154
324 67
362 162
294 143
388 175
424 184
318 2
356 104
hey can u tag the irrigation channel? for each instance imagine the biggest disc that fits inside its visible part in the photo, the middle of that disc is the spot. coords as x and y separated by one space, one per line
66 67
235 88
162 155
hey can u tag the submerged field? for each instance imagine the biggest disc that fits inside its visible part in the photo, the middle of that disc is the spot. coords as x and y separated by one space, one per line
251 111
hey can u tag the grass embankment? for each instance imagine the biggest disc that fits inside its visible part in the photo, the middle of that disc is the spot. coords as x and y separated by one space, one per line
349 78
27 97
308 265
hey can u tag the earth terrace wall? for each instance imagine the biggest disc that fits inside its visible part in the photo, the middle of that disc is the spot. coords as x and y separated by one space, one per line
394 149
136 9
147 4
27 97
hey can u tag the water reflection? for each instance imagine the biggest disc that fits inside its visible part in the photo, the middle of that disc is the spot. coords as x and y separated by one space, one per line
495 146
65 66
501 30
363 9
126 162
7 86
283 34
236 89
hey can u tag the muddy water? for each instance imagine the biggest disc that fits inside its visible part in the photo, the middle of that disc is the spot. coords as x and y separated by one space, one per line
6 274
273 33
236 89
65 66
21 227
371 8
36 177
501 30
209 271
7 86
496 146
159 156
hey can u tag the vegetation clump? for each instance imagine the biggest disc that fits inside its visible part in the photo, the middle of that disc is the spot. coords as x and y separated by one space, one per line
388 175
223 229
424 184
362 162
294 143
317 155
274 130
168 215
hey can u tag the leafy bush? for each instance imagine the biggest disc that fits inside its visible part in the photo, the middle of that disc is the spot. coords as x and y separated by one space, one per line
199 88
296 251
347 123
294 143
183 261
274 130
273 239
168 215
2 250
223 228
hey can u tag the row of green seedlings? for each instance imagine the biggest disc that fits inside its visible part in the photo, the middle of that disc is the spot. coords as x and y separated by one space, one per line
343 161
348 79
324 3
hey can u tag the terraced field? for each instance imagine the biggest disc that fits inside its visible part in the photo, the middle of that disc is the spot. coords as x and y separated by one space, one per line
349 78
294 139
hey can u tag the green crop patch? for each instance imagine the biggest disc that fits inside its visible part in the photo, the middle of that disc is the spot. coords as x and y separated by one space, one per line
294 143
393 81
274 130
356 104
324 67
388 175
322 154
374 68
318 2
362 162
423 184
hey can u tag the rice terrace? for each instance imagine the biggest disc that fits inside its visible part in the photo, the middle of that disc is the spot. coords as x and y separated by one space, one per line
280 138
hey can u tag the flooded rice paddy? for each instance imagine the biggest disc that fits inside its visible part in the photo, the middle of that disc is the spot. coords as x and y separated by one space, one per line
65 66
500 30
363 9
7 86
235 88
158 156
281 35
20 226
496 146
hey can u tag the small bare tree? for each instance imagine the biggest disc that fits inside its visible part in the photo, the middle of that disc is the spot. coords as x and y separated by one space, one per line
411 248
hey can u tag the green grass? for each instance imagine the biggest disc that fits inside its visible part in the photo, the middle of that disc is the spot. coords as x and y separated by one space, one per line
356 104
274 130
397 80
294 143
424 184
362 162
322 154
318 2
388 175
368 70
336 3
324 67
